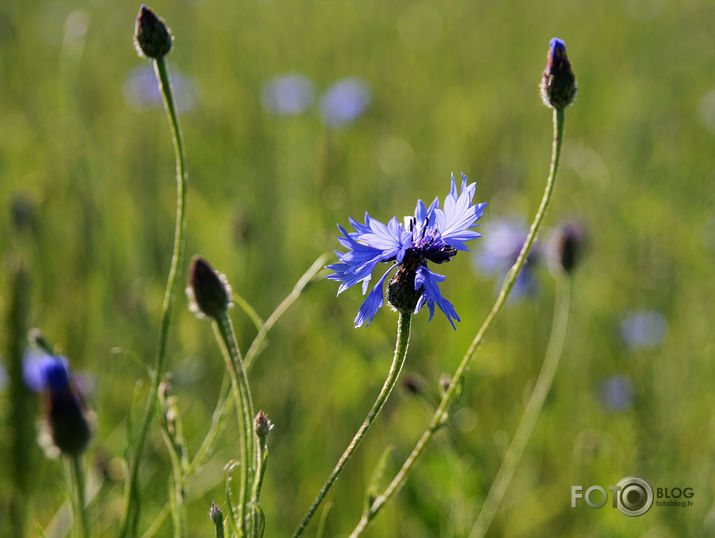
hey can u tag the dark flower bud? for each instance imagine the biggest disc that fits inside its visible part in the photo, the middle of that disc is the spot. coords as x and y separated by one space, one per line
66 418
152 37
262 426
216 516
208 291
568 246
401 292
558 84
444 381
413 384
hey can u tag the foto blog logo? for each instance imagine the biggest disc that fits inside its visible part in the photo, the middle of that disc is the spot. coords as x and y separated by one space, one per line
633 496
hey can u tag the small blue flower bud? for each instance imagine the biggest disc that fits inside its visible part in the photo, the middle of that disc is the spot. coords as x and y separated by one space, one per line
558 84
64 410
209 292
152 37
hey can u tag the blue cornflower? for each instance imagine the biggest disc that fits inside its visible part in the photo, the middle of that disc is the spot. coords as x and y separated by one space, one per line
64 405
344 101
500 250
431 235
288 94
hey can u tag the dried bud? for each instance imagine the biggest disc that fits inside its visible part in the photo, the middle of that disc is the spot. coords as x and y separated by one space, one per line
262 425
152 37
208 291
558 85
568 246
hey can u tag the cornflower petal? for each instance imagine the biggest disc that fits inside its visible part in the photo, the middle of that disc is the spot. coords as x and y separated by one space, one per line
432 294
373 302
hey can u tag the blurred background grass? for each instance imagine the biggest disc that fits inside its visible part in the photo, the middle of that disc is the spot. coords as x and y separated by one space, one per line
87 199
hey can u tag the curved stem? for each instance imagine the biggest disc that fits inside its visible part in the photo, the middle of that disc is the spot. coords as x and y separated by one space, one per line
531 413
132 505
225 402
440 414
244 405
403 340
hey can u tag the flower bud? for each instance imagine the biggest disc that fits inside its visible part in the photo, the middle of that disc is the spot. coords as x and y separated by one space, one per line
262 426
413 384
64 410
216 516
152 37
558 84
401 292
209 292
568 246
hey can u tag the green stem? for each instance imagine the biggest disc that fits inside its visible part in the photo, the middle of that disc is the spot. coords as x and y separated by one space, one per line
244 404
403 340
132 505
531 413
224 402
440 414
81 518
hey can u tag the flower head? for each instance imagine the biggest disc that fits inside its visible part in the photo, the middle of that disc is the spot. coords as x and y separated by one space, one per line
432 234
288 94
344 102
64 405
558 83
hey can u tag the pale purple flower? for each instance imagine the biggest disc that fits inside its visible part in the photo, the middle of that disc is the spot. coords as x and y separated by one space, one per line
644 329
287 94
500 249
616 393
431 235
344 101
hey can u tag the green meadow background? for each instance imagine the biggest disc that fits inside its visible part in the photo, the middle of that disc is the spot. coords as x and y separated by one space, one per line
87 198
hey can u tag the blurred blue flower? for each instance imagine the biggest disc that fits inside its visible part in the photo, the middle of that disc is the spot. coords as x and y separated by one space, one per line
432 234
616 393
644 329
3 377
64 406
37 364
344 101
287 94
500 249
141 89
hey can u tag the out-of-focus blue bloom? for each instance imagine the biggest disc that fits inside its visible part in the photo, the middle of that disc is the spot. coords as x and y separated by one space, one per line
500 249
616 393
35 366
287 94
141 89
64 407
3 377
344 101
432 234
644 329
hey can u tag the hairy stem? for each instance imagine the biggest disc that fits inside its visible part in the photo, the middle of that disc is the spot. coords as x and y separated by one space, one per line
440 414
403 340
132 505
244 405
